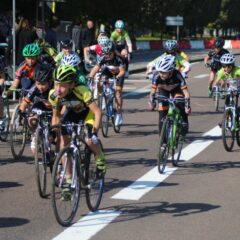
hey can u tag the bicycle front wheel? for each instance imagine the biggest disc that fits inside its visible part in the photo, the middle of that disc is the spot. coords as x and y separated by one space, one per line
94 183
6 116
18 133
216 101
177 150
40 164
65 193
164 145
228 132
105 117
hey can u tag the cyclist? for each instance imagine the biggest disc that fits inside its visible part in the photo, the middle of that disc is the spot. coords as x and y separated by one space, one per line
2 79
171 47
74 103
227 71
66 46
38 96
74 61
212 60
168 81
25 71
123 42
47 52
112 65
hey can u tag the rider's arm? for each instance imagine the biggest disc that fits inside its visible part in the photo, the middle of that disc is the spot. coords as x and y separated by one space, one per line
121 72
86 53
2 79
186 93
129 43
94 70
97 116
24 105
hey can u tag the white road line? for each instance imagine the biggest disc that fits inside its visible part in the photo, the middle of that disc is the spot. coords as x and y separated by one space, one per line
145 89
201 76
88 226
152 178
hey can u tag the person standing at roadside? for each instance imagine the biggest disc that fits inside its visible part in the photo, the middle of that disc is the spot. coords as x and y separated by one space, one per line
51 33
88 35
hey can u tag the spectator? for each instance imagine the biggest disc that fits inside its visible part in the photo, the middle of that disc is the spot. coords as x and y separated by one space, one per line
88 35
24 36
51 33
76 36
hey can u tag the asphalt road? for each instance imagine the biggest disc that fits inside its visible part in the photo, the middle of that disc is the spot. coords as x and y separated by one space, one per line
199 200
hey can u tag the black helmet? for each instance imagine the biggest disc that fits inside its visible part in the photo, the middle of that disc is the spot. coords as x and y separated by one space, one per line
2 63
43 73
68 43
219 43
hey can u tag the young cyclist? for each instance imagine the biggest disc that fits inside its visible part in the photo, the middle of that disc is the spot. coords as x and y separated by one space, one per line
73 103
38 96
171 47
212 60
123 42
2 79
168 81
112 65
25 71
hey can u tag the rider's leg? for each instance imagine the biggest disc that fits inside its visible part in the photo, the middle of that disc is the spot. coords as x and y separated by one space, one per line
210 82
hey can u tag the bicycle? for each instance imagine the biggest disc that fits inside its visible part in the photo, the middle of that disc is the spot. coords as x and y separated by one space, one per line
171 137
230 121
216 95
107 99
19 131
6 114
44 155
80 158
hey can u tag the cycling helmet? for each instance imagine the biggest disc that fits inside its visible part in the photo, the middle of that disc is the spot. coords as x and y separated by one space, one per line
170 45
166 63
119 24
64 74
71 60
2 63
43 73
102 39
107 47
219 43
31 50
40 42
68 43
227 59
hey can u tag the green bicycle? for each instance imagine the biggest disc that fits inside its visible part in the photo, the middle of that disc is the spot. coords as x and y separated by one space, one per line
171 136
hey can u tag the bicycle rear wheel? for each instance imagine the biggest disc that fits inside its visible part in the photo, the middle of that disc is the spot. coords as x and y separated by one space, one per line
95 185
228 132
105 117
6 114
216 100
164 147
65 195
40 157
18 133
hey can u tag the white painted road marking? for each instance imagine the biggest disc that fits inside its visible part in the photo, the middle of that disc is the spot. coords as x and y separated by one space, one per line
201 76
88 226
152 178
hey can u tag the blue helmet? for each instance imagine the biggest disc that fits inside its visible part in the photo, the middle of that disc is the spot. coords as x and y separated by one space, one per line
119 24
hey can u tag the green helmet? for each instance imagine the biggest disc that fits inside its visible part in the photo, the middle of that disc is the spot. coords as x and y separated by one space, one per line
31 50
64 74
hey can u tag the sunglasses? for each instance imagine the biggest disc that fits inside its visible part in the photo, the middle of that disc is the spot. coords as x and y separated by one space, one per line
226 65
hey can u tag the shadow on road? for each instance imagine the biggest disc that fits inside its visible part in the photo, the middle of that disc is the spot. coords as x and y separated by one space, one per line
9 184
12 222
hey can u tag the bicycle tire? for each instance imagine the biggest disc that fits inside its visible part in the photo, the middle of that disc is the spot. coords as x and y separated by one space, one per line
116 128
19 127
40 164
95 185
176 152
105 117
227 127
6 114
164 147
216 101
65 214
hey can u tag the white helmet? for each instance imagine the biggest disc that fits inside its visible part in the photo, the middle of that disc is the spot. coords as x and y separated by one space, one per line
71 60
227 59
102 39
170 45
107 46
166 63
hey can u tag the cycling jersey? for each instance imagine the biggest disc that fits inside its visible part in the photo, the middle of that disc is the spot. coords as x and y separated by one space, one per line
215 58
78 101
97 49
234 74
35 95
121 39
